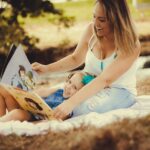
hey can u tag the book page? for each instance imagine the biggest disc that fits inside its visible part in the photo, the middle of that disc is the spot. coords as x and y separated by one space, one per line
31 102
18 72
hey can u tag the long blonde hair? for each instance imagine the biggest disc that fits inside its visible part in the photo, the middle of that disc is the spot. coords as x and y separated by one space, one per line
118 14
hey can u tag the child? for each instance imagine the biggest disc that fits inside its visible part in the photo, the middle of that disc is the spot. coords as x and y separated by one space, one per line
53 97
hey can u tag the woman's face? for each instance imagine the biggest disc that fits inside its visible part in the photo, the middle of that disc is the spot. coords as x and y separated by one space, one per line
101 25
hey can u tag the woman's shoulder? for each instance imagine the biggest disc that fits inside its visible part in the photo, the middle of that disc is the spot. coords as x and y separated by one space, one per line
89 31
90 28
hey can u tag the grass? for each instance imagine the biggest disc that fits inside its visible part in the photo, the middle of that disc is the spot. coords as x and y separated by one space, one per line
143 1
138 14
82 11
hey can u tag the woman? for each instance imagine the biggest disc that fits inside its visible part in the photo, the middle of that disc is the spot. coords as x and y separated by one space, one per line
109 47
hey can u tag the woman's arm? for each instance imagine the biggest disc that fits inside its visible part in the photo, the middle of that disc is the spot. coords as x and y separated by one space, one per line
69 62
117 68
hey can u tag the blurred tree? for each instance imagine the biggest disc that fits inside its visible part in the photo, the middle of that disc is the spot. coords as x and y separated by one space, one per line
10 29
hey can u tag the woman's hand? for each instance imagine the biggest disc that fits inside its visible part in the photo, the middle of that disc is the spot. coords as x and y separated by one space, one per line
63 110
39 68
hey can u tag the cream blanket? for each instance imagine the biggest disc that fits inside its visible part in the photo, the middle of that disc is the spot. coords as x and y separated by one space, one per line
139 109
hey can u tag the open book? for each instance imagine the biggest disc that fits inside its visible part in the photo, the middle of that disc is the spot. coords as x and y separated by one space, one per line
18 78
31 102
17 70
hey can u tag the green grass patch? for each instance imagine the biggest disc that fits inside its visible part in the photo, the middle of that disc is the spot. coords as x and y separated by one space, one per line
82 11
143 1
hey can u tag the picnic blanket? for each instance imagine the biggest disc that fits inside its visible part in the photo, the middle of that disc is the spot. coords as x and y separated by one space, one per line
139 109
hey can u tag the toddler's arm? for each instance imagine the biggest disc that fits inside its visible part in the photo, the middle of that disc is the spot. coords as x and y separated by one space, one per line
45 91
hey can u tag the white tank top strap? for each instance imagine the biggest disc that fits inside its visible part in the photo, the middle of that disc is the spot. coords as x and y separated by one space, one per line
91 42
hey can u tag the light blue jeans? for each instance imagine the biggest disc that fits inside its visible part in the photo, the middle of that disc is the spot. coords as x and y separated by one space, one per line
106 100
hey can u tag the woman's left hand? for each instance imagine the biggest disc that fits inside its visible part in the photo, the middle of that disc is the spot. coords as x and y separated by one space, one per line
63 110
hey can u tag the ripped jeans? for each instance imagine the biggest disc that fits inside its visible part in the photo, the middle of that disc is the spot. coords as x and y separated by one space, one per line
106 100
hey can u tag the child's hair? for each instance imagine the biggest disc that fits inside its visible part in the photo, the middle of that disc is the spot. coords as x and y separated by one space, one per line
86 77
72 74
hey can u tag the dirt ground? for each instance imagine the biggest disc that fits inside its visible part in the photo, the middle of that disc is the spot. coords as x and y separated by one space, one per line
124 135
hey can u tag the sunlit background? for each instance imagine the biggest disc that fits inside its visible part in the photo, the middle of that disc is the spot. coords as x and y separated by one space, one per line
81 10
50 30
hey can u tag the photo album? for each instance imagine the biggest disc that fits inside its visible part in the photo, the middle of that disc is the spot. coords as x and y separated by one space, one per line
18 78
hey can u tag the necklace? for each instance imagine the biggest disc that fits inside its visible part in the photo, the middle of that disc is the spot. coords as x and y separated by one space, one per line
101 57
102 63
